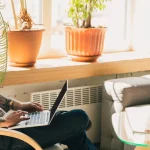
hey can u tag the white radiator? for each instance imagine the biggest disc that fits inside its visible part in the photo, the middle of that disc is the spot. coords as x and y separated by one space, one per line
87 98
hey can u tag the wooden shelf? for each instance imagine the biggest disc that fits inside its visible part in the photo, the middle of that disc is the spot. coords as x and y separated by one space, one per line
63 68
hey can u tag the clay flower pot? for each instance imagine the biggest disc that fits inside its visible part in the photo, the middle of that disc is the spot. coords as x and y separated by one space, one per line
85 44
24 46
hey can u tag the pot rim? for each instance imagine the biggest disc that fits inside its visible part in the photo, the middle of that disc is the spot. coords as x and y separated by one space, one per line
67 25
26 30
68 28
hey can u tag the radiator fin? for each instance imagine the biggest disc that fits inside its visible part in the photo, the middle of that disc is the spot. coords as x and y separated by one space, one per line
85 95
74 97
94 95
46 98
77 97
69 100
100 93
37 98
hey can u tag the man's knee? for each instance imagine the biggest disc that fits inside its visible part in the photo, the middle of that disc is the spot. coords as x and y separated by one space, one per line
80 117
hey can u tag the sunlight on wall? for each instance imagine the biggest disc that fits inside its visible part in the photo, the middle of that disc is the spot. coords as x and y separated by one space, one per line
141 25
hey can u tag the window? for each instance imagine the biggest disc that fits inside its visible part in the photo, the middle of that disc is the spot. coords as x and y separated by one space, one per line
141 25
53 14
115 17
33 6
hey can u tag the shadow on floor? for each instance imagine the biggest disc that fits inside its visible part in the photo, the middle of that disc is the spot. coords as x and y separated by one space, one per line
97 145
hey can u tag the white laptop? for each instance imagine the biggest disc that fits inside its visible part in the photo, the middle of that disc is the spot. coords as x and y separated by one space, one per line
45 117
139 118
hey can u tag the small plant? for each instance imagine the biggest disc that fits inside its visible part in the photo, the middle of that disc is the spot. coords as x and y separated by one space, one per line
23 20
80 11
24 38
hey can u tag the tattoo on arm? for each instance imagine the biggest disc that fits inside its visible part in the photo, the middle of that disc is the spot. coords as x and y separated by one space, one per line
5 103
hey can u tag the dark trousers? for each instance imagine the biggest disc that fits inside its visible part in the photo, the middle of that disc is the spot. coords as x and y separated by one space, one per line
67 128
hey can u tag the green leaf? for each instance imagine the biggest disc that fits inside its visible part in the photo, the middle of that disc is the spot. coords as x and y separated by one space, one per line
80 9
102 6
85 15
81 5
97 5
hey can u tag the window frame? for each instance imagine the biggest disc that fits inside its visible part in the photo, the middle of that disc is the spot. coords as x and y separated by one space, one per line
46 50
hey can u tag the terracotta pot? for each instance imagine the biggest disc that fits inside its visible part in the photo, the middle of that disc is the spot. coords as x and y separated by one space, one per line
24 46
85 44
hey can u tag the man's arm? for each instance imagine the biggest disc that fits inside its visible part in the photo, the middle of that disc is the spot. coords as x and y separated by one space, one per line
7 103
20 109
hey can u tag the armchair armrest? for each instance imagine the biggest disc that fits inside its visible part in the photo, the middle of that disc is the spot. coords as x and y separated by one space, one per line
21 136
129 91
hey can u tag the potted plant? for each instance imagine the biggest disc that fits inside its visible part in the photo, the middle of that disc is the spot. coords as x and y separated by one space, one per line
24 39
84 42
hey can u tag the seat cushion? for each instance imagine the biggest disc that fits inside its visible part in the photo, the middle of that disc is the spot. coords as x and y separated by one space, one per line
54 147
125 92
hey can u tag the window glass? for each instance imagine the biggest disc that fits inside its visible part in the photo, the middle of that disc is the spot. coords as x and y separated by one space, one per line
141 25
33 6
114 17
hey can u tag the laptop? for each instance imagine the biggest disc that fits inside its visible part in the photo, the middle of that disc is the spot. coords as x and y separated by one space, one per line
45 117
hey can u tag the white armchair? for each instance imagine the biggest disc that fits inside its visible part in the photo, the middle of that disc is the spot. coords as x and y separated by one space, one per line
27 139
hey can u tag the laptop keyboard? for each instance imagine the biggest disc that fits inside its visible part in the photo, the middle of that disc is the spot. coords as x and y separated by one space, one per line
36 118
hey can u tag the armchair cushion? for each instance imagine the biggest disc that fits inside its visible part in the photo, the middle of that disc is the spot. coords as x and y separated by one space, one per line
136 96
128 91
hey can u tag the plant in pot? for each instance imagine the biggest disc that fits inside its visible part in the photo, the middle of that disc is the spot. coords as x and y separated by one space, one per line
84 42
24 38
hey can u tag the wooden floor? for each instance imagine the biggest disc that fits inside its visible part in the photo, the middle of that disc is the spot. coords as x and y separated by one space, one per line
97 146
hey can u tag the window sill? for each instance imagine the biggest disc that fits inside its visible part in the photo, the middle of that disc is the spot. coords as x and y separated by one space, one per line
63 68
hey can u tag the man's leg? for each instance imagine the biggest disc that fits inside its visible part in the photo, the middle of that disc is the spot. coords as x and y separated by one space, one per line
67 128
79 142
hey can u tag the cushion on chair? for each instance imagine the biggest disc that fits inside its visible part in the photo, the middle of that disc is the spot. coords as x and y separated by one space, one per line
54 147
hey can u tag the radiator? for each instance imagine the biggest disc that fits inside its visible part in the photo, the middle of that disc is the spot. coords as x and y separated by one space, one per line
88 98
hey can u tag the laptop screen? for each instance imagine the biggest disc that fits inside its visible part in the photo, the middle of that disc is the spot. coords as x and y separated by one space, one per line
58 100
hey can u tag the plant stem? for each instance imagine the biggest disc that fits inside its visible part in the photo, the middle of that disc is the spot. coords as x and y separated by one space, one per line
22 4
83 22
25 4
14 14
88 20
77 23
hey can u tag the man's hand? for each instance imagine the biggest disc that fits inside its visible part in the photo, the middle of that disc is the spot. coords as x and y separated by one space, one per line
31 107
14 118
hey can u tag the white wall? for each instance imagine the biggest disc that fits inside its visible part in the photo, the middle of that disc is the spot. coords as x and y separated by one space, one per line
22 92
